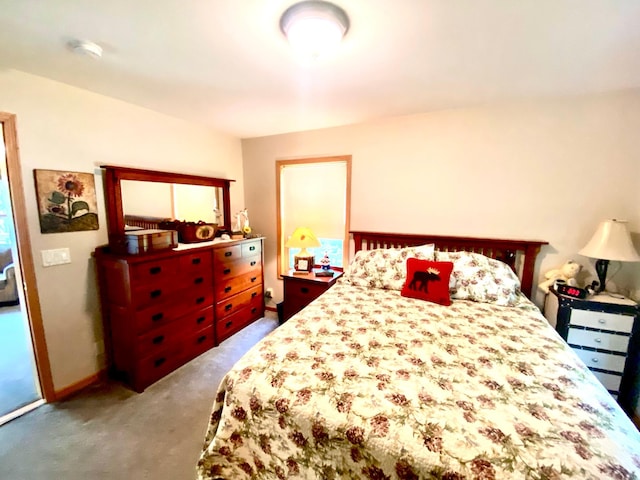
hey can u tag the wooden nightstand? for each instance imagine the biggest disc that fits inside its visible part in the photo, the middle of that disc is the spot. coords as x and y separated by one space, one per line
604 331
300 290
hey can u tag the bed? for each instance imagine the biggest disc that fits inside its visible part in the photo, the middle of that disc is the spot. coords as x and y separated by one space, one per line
367 382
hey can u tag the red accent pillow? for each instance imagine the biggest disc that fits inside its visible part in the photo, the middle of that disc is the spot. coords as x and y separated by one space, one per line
428 280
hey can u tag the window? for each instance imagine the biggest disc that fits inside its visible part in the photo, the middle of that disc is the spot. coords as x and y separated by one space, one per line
314 193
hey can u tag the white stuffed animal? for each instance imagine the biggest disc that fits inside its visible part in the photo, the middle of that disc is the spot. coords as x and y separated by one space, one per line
566 272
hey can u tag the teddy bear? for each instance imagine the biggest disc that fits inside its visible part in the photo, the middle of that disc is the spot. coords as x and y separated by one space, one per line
566 272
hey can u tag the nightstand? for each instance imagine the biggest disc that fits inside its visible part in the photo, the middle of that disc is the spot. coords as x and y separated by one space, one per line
604 331
300 290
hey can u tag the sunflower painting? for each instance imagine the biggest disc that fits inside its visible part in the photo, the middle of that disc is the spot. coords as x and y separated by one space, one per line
66 201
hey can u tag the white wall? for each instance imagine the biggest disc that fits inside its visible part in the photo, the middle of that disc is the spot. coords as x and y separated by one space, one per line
541 170
65 128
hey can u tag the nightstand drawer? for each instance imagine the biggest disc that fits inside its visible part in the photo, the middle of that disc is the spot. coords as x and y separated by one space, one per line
605 341
601 320
610 382
304 292
603 361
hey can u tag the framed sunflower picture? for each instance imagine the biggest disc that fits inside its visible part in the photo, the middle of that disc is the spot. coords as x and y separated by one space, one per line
66 201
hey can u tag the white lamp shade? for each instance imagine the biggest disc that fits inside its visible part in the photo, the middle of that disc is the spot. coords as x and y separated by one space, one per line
611 242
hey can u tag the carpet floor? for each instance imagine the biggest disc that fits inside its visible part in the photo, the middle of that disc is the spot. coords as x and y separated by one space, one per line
110 432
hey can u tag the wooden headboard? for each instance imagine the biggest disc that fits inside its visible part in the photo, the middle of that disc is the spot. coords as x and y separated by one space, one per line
520 255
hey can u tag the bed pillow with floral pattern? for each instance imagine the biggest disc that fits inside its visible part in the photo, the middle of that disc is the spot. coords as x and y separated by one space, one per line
384 267
481 279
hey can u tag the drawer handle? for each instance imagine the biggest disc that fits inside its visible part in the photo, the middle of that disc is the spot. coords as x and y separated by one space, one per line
304 290
198 280
155 270
227 289
159 362
158 339
199 299
252 248
155 293
228 254
195 261
253 263
253 279
157 317
254 294
200 319
594 360
228 307
228 324
254 310
597 340
602 321
226 271
202 338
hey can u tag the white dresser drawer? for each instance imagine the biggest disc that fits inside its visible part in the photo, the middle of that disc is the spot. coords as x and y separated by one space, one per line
607 341
606 321
604 361
610 382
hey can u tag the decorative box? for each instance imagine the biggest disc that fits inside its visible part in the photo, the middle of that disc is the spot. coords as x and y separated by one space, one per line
192 232
144 241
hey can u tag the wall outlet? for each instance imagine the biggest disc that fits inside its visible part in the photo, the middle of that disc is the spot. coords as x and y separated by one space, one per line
268 293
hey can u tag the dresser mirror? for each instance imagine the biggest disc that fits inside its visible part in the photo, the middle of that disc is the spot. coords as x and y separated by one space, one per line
136 193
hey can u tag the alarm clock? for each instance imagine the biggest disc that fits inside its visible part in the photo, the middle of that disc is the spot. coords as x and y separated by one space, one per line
569 291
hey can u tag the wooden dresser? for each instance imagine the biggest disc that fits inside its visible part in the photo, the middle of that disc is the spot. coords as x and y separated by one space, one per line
162 309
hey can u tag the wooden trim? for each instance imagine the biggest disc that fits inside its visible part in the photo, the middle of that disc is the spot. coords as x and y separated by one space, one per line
69 390
280 165
501 249
25 259
271 309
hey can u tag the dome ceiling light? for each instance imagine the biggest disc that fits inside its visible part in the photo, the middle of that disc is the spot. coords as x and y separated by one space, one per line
314 27
84 47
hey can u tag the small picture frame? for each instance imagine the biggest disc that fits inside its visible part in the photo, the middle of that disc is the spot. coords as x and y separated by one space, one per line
304 264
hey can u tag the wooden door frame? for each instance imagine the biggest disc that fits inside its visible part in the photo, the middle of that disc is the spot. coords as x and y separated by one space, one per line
25 258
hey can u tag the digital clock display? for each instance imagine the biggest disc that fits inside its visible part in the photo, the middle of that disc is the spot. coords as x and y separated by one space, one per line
571 291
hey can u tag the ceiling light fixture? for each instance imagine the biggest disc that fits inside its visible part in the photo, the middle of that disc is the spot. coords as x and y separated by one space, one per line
84 47
314 27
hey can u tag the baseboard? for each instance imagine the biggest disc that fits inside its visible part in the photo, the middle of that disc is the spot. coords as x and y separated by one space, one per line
271 309
66 392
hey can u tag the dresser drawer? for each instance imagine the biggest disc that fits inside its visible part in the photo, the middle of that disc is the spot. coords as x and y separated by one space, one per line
155 316
164 269
610 382
606 341
232 304
196 320
196 299
156 366
226 288
250 249
227 326
601 320
200 279
199 342
224 271
227 254
154 293
196 263
603 361
157 340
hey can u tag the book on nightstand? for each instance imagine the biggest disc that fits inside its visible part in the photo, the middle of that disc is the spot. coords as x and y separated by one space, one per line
324 273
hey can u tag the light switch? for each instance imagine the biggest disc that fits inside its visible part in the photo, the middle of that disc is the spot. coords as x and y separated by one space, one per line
56 256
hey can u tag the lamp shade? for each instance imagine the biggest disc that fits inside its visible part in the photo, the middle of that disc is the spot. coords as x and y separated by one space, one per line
303 238
611 241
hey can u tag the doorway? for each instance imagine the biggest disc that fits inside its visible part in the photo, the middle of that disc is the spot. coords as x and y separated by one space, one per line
25 376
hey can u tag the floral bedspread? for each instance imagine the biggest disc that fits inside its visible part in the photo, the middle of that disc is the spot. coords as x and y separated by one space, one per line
368 384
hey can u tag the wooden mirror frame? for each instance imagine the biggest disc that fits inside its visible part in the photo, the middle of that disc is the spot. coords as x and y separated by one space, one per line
113 192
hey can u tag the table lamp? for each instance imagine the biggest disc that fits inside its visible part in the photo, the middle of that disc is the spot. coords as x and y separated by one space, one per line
302 238
610 242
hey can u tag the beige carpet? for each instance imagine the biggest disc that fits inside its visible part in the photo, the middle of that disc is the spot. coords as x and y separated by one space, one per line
110 432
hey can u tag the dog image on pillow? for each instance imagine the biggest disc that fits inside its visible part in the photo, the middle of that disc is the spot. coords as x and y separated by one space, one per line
566 272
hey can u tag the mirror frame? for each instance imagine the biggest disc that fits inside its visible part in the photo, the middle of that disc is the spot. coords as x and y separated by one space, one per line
113 175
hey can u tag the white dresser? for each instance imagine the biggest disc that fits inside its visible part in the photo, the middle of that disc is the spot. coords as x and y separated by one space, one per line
604 332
